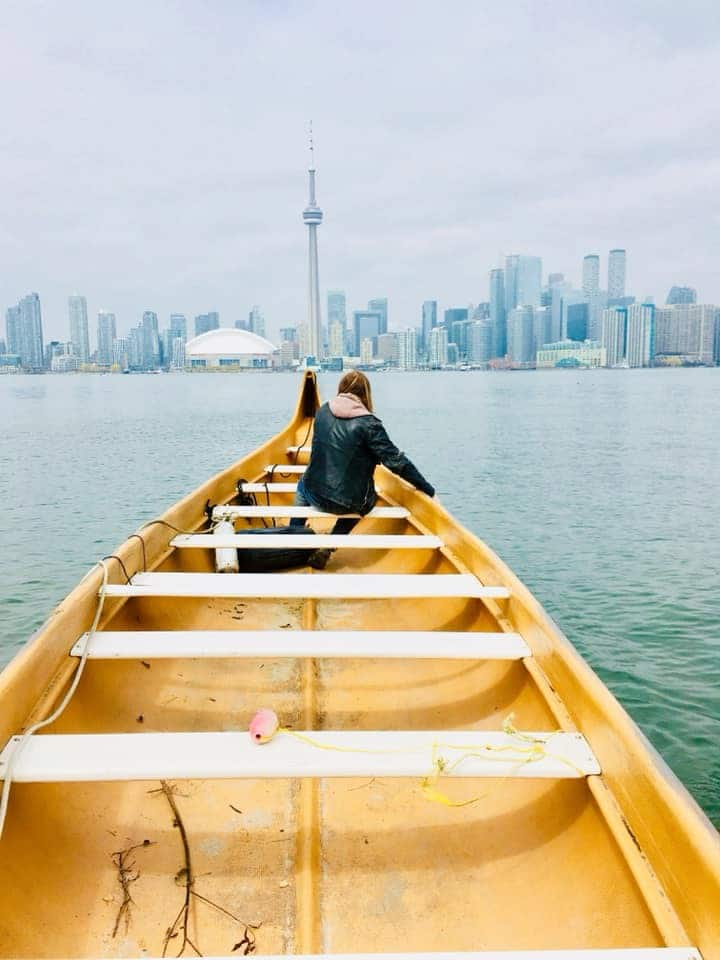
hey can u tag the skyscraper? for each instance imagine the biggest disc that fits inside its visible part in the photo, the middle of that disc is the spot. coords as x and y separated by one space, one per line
337 308
312 217
686 330
366 326
380 306
591 274
106 334
24 332
454 315
256 321
616 276
520 334
205 322
682 295
497 312
77 311
407 348
523 282
429 320
13 331
640 334
178 326
151 340
614 333
438 348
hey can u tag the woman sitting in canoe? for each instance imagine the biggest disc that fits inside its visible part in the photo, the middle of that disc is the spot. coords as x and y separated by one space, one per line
348 443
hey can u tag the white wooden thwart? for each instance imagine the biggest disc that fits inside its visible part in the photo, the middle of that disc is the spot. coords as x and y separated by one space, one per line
305 541
59 758
233 511
278 469
611 953
417 645
363 586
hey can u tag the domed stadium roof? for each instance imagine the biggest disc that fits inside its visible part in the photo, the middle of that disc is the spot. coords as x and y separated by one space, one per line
228 342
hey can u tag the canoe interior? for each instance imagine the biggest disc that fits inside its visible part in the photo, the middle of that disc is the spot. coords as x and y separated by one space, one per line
338 866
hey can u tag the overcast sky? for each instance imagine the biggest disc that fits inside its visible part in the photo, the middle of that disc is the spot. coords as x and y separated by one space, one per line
154 153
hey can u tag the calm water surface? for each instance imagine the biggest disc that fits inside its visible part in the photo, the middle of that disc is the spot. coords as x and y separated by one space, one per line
600 489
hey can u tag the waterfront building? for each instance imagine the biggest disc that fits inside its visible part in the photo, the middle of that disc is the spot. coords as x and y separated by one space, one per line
687 331
303 340
380 306
289 333
438 348
13 331
24 333
207 321
227 349
288 353
135 352
387 347
366 351
497 312
121 353
336 339
542 327
523 282
614 335
570 353
520 335
458 334
407 348
429 321
480 341
312 218
151 340
616 274
591 274
106 335
178 354
77 312
640 334
681 295
366 324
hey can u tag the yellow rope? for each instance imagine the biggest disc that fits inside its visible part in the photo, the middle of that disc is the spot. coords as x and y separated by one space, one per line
537 750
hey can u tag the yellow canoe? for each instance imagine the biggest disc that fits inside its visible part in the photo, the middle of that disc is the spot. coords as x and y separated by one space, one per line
449 776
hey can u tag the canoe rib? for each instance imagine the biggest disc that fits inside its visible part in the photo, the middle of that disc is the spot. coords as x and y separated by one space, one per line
65 758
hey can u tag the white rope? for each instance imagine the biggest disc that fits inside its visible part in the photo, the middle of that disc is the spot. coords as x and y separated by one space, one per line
5 799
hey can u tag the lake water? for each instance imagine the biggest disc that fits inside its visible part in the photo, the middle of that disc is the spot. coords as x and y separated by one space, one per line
599 488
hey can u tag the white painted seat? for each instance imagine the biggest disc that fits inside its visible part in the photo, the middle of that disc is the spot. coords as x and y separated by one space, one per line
269 487
281 468
594 953
60 758
303 585
232 512
305 541
412 645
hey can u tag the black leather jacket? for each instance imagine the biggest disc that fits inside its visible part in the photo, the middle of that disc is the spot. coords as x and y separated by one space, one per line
344 455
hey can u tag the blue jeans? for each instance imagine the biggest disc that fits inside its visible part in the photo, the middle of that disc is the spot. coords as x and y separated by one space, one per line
302 499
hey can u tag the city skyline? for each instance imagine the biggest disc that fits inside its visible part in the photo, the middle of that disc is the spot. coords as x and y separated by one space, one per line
142 190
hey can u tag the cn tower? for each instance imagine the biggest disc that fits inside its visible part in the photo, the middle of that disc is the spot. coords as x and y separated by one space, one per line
312 216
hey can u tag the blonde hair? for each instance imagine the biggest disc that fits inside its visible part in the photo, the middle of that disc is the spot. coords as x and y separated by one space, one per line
358 385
